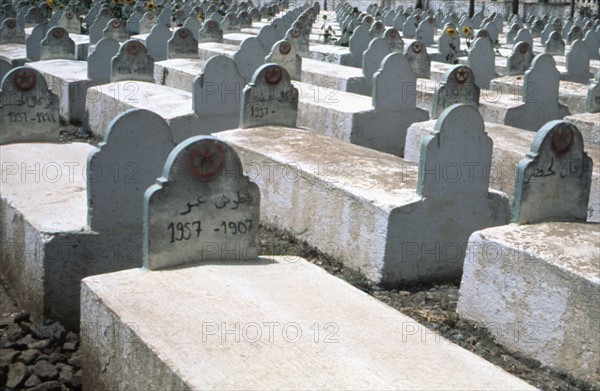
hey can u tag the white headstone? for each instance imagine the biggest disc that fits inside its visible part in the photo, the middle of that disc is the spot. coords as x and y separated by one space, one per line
97 28
520 59
553 181
270 99
129 160
210 32
11 32
202 209
156 43
482 62
100 60
592 102
132 63
378 49
419 60
33 47
70 22
359 41
116 30
449 44
592 42
424 32
182 44
578 62
284 54
394 41
523 35
218 88
57 45
555 44
458 86
29 111
148 21
250 56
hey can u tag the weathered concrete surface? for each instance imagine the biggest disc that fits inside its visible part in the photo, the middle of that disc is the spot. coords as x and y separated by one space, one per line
510 146
589 126
106 101
177 73
317 339
68 80
13 53
536 288
325 76
46 247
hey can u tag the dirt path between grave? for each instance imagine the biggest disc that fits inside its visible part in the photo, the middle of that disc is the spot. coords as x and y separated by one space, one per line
432 305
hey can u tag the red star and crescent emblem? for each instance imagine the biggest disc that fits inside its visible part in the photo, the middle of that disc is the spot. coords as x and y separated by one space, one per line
206 160
562 138
24 80
461 75
115 24
11 23
58 32
523 47
134 48
273 75
285 48
417 47
183 33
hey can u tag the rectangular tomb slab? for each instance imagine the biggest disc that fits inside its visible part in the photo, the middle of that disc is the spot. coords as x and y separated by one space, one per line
46 247
277 323
68 80
535 288
13 53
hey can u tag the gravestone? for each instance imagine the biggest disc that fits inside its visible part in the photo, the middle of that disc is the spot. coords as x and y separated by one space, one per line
536 29
592 42
157 42
520 59
217 90
377 29
574 34
70 22
116 30
100 23
210 32
399 21
57 45
249 57
492 31
133 22
409 28
136 146
512 33
194 25
555 44
359 41
182 44
540 96
424 32
267 36
11 32
217 17
394 41
578 62
29 110
244 19
298 39
230 24
523 35
270 99
449 45
419 60
482 62
553 181
202 209
132 63
164 17
458 86
33 47
378 49
5 67
148 21
99 61
284 54
592 102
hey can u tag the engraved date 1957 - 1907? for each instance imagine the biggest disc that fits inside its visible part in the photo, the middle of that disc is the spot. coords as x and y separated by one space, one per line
180 230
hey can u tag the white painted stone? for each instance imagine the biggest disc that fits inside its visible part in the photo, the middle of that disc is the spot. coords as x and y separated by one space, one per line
99 62
97 29
523 35
217 91
555 44
394 40
132 62
148 21
449 45
284 54
268 36
424 32
377 29
359 41
135 148
458 86
133 22
11 32
116 30
592 103
5 67
378 49
520 58
210 32
29 111
70 22
512 32
202 209
57 45
157 42
482 62
182 44
578 62
540 96
34 42
409 28
420 62
592 42
249 57
574 34
230 23
553 181
270 99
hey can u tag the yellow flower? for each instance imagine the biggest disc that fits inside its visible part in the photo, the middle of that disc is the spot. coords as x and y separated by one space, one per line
129 2
150 6
51 3
115 1
450 32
